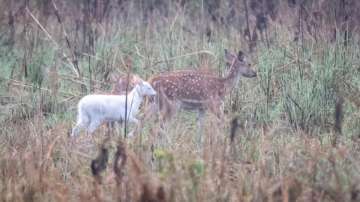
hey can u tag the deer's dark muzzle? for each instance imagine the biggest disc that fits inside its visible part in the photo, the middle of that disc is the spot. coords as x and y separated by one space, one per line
250 74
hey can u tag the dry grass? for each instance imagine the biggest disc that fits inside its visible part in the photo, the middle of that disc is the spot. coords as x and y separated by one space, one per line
39 164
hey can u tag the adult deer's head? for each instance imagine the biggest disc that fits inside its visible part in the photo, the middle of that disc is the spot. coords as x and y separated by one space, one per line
239 64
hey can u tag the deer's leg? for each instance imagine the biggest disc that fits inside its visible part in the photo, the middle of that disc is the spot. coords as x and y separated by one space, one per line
216 107
82 122
162 108
166 109
93 126
168 112
150 107
110 126
132 119
200 124
76 129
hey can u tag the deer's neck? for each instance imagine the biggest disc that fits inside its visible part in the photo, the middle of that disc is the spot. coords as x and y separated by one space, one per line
232 77
134 101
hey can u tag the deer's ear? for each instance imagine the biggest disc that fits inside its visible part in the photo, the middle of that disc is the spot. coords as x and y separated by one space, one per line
145 83
241 56
141 83
229 56
137 78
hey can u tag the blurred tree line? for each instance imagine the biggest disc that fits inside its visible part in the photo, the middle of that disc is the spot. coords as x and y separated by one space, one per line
254 19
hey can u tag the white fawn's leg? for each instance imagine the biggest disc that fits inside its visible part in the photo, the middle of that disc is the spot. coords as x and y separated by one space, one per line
82 122
110 126
93 126
133 120
76 129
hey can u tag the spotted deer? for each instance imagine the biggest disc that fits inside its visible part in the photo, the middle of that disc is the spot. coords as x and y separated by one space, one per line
197 90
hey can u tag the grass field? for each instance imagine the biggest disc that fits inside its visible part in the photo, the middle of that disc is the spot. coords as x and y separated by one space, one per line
290 134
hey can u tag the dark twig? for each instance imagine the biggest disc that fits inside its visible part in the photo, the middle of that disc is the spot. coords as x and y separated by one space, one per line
121 156
338 119
233 129
99 163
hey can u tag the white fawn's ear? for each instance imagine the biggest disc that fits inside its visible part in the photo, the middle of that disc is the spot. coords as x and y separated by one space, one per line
137 79
142 83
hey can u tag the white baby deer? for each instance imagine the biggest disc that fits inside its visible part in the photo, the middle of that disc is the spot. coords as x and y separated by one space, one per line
94 110
197 90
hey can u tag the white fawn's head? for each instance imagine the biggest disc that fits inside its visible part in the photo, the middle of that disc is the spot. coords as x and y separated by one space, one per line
144 88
